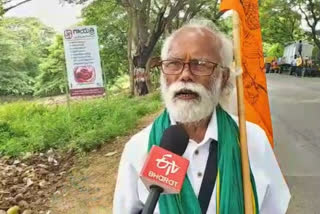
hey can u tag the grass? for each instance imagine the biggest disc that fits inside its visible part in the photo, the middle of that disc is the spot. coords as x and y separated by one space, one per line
33 127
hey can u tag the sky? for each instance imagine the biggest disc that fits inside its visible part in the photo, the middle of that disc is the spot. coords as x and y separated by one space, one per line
58 16
50 12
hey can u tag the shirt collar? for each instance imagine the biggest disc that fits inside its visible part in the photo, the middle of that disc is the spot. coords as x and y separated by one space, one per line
212 130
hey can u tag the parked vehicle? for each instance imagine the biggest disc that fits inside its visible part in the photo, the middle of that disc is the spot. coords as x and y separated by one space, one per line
293 63
291 51
267 63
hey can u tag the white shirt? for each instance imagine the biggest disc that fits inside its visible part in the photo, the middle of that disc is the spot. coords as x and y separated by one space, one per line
273 193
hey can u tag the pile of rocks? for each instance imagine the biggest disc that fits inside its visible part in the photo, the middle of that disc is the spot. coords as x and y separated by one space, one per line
27 183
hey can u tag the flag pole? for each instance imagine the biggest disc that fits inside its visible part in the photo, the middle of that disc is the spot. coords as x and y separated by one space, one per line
247 188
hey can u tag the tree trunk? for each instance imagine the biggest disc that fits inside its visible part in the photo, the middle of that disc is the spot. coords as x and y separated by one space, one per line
141 81
132 46
149 82
312 21
140 71
143 39
314 36
148 76
130 64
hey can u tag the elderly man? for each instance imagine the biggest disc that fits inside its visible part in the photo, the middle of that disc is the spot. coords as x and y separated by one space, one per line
194 80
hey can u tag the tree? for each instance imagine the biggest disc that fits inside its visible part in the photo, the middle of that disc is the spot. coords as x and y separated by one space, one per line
31 38
211 11
279 22
274 50
111 21
147 20
6 5
280 25
11 81
147 23
311 11
23 42
52 77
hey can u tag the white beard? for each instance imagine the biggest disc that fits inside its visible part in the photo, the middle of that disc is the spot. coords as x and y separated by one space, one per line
190 111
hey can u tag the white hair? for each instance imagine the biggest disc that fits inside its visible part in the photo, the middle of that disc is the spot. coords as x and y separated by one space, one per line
226 50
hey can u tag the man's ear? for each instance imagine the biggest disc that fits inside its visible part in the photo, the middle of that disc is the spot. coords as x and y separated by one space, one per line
225 76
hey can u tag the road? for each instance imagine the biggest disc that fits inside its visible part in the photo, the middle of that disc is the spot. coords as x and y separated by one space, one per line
295 109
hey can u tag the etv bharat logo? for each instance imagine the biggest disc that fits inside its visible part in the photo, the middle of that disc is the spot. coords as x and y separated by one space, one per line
163 163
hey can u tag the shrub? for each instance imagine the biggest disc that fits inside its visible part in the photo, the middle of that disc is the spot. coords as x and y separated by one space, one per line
34 127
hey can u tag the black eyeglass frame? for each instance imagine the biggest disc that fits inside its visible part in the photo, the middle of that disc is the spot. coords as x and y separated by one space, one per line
215 65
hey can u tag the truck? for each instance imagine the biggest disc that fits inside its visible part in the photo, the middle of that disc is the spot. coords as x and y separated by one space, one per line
291 50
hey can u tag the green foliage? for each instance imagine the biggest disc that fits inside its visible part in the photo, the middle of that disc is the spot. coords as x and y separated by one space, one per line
112 23
316 54
279 22
30 127
275 50
12 82
311 13
120 84
225 25
22 44
52 77
211 11
7 5
1 9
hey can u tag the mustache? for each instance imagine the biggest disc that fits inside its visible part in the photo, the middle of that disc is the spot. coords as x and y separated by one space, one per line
180 88
186 91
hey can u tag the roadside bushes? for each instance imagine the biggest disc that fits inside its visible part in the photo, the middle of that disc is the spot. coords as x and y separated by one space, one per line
34 127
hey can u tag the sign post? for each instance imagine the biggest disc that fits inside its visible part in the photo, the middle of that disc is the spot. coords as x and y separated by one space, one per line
83 61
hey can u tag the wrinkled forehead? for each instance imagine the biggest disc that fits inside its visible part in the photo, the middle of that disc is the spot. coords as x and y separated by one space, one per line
195 42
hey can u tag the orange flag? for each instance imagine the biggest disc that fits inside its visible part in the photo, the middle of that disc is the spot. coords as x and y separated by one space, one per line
254 78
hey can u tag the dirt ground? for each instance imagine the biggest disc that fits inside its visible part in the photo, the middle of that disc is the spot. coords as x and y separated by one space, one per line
89 187
27 182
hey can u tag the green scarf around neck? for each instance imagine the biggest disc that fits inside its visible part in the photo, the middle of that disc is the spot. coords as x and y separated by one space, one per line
229 190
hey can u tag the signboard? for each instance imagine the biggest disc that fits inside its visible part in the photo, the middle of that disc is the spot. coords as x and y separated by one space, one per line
83 61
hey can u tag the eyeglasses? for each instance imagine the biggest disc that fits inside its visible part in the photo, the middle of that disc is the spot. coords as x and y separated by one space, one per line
197 67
